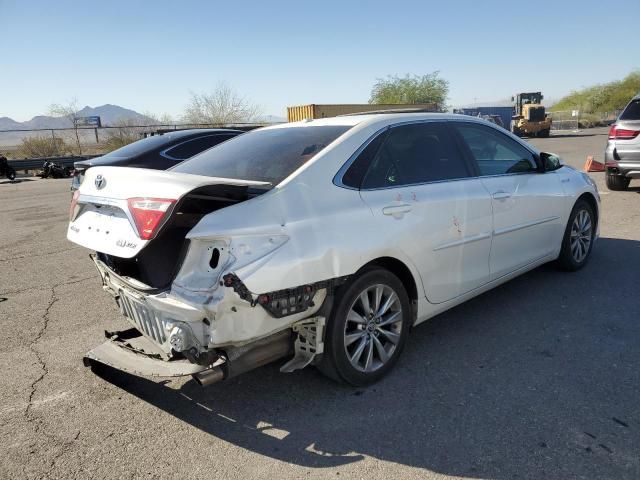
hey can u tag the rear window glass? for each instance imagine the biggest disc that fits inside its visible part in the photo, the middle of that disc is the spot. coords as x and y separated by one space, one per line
632 112
142 146
263 155
192 147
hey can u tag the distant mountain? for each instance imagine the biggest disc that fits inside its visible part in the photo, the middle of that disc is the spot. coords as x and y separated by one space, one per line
109 114
271 119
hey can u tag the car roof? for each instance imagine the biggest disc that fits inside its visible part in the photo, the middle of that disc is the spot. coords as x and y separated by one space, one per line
368 119
196 131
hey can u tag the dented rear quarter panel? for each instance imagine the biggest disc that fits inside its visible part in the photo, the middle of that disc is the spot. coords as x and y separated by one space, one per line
318 218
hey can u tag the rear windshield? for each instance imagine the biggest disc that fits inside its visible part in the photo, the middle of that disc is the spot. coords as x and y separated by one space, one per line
632 112
144 145
263 155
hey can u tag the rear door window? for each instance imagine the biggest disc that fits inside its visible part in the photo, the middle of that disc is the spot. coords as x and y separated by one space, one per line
194 146
494 152
414 154
632 112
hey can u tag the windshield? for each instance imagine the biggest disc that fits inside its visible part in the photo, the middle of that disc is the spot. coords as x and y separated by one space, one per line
269 155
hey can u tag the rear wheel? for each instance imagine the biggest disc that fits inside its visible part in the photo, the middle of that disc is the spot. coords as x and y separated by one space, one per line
578 237
367 328
617 182
544 133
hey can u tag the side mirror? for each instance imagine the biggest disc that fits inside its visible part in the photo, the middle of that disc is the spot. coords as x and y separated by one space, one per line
550 161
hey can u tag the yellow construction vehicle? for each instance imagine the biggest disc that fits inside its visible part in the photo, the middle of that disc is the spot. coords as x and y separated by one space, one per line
530 118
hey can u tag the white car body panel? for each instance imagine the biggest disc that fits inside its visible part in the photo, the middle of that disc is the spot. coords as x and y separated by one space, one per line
529 217
450 239
104 223
452 236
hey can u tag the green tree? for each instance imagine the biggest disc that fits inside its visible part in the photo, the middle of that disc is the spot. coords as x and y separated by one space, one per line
607 97
410 89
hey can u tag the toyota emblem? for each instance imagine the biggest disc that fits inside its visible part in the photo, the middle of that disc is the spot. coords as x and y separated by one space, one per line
100 182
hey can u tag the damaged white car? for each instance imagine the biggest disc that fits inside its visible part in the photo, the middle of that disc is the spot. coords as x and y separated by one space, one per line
323 241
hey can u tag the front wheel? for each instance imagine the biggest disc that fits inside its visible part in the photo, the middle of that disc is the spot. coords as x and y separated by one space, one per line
367 328
578 237
11 173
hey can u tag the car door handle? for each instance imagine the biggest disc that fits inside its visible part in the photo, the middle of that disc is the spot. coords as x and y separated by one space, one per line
396 210
501 195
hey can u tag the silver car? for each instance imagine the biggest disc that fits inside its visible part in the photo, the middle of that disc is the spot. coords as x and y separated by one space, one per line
622 155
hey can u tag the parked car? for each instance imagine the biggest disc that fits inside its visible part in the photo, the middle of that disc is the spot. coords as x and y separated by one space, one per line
158 152
622 154
328 238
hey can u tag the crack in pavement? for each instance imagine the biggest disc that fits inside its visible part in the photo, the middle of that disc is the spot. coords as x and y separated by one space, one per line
34 255
43 366
40 287
28 414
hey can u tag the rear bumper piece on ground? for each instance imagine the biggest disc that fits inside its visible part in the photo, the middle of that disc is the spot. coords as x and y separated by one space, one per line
137 355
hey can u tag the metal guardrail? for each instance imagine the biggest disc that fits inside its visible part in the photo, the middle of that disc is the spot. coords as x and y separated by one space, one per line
36 163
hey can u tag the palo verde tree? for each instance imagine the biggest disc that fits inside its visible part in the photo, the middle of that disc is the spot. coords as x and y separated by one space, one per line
410 89
71 112
221 106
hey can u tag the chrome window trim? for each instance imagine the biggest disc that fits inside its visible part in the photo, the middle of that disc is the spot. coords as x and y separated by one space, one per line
165 155
509 135
337 179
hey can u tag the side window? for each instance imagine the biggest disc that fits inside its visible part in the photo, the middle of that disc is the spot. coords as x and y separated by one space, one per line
189 148
415 153
355 173
494 152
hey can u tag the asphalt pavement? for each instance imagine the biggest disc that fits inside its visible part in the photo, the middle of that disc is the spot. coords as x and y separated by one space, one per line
539 378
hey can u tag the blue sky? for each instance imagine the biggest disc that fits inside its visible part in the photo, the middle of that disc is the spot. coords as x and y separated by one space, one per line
148 56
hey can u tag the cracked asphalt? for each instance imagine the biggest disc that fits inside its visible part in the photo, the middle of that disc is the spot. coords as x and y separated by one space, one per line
539 378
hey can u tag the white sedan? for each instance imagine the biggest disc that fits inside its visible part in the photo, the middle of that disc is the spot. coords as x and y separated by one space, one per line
323 240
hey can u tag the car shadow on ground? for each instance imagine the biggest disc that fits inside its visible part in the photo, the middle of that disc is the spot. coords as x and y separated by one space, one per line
17 180
572 134
538 378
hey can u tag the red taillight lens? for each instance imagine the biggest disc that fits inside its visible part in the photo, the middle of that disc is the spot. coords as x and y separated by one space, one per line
74 203
148 214
616 133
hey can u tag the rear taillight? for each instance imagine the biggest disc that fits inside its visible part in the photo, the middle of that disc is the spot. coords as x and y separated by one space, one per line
74 204
148 214
616 133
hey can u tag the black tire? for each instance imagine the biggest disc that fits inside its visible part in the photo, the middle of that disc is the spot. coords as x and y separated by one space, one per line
544 133
617 182
11 174
335 362
567 259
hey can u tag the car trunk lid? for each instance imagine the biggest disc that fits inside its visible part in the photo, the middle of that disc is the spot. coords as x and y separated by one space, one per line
114 205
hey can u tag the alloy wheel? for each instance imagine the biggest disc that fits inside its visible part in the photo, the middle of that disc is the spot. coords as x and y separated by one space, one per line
581 235
373 327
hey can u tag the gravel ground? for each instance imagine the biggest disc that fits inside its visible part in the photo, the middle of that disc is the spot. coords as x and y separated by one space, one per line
539 378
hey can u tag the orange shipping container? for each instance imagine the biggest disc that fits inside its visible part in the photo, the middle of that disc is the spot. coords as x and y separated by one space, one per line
301 112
